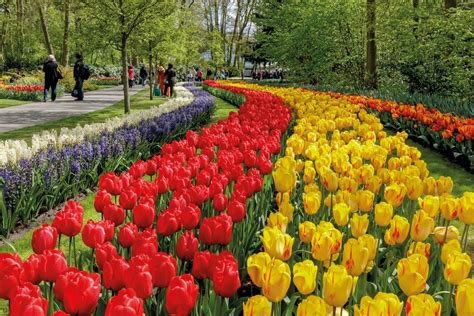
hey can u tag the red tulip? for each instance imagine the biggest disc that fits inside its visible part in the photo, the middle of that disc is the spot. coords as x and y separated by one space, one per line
105 252
203 178
137 169
161 185
216 230
52 265
113 274
31 269
150 168
128 199
220 202
181 295
110 183
192 138
168 223
114 213
236 211
144 215
44 238
201 262
10 273
186 246
145 243
225 276
215 188
250 158
138 276
94 233
264 165
74 207
28 301
79 291
68 223
191 216
125 303
60 313
127 235
102 199
163 268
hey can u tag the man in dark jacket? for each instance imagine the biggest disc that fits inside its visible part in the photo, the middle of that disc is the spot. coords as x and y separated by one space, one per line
78 77
143 75
170 79
51 77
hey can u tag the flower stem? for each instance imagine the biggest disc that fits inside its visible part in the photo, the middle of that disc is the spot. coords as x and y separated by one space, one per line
465 236
70 252
446 232
50 300
450 300
334 309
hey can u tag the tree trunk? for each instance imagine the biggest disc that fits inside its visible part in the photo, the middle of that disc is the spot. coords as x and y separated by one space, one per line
123 51
44 27
448 4
20 13
67 22
371 46
150 69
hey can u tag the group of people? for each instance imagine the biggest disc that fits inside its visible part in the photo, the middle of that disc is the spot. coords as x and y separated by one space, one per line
52 75
265 74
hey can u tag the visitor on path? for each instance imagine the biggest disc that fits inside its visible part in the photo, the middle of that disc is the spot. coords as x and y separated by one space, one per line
80 74
161 80
199 75
131 76
51 77
209 74
143 75
170 80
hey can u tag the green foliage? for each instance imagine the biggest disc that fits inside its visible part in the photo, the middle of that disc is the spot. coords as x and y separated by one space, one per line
233 98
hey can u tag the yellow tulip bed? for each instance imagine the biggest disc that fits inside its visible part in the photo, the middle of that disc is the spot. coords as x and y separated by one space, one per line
361 227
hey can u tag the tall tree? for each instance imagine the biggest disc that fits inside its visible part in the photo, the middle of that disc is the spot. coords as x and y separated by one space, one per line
44 27
67 23
371 45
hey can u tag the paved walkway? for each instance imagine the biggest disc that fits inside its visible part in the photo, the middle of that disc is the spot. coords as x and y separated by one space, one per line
30 114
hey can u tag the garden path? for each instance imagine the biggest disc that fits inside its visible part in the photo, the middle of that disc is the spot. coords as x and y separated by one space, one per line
30 114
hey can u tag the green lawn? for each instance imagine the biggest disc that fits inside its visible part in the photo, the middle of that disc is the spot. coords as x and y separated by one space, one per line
5 103
223 108
139 101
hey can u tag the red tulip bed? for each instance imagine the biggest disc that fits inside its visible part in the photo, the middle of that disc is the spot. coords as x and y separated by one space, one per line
175 230
26 93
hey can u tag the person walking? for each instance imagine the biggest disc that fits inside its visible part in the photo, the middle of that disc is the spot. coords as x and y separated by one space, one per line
170 80
199 75
51 77
143 75
161 80
131 76
79 76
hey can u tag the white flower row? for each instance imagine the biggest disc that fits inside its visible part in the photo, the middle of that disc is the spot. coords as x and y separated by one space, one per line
11 151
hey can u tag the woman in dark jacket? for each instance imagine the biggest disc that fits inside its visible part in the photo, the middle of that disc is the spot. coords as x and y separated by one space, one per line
170 79
51 77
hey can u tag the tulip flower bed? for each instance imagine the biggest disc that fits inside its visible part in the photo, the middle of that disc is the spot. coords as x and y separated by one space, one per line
105 81
361 227
57 167
175 232
25 93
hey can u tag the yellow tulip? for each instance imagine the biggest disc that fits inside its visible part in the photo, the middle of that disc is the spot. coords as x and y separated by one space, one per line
451 247
336 236
304 276
422 304
331 199
256 265
311 202
309 175
370 307
412 274
384 175
464 295
398 231
449 206
337 285
284 179
440 233
430 204
277 220
355 257
394 306
373 184
366 172
422 226
306 231
429 186
356 162
444 185
329 180
365 199
287 209
341 214
394 163
312 152
276 243
370 243
312 306
312 187
383 214
321 245
378 161
466 210
276 280
420 248
359 224
457 267
257 305
299 165
414 188
395 193
347 184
